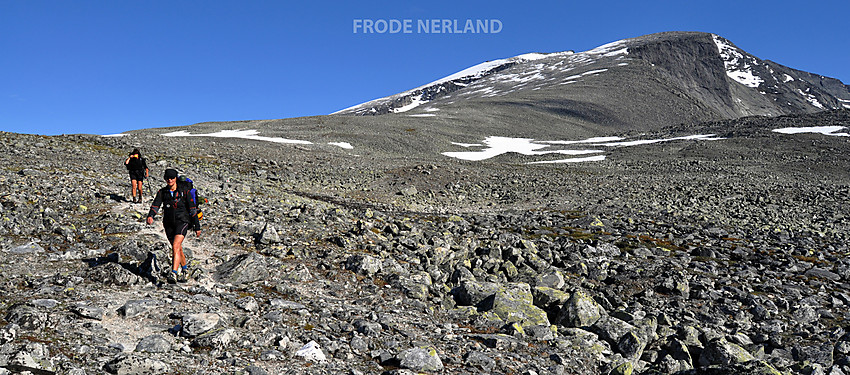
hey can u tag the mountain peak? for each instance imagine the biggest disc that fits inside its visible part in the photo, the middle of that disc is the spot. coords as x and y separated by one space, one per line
704 75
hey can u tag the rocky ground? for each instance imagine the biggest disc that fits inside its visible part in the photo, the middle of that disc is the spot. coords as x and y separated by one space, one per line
713 257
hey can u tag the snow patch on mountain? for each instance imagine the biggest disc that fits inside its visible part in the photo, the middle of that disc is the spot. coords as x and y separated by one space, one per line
501 145
417 101
570 160
344 145
495 146
811 99
238 133
825 130
738 65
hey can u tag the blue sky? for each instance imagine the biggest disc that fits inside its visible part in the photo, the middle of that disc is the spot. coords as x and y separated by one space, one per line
104 67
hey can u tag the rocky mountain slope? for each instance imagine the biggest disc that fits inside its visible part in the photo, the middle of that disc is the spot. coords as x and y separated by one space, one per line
678 257
640 83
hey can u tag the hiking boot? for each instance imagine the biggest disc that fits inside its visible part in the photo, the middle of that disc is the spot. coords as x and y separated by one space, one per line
182 277
171 277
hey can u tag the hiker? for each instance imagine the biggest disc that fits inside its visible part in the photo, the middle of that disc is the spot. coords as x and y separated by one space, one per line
179 212
138 170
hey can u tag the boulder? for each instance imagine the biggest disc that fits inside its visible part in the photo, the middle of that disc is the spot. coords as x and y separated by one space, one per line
243 269
365 265
421 360
471 292
722 352
580 311
197 324
515 303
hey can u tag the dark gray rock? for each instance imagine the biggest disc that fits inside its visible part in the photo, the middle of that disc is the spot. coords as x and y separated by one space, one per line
114 274
131 364
197 324
27 316
722 352
219 338
471 293
479 360
154 344
88 311
243 269
133 308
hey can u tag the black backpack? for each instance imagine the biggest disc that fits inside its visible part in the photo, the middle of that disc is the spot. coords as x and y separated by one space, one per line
136 163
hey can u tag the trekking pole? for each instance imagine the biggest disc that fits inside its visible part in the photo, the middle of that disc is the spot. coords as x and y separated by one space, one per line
147 183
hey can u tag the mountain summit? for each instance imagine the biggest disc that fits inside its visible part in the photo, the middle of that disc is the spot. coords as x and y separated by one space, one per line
641 83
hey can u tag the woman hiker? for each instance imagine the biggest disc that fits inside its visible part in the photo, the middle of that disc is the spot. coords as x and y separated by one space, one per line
179 212
138 170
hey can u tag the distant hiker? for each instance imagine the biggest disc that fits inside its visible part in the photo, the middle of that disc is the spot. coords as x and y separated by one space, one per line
179 212
138 170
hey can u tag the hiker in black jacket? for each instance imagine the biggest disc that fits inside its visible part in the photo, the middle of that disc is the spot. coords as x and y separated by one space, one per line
138 170
179 212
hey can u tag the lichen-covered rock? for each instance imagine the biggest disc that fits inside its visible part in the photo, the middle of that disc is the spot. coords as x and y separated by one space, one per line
580 311
365 265
471 292
580 340
553 279
515 304
421 359
549 298
722 352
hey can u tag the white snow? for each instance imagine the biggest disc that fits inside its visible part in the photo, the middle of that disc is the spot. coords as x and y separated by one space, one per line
115 135
467 145
702 137
533 56
344 145
413 104
825 130
589 140
495 146
610 49
622 51
570 160
811 99
238 133
589 72
737 66
423 115
502 145
745 77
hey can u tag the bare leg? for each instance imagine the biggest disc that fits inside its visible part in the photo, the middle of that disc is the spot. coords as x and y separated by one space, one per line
178 257
135 186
